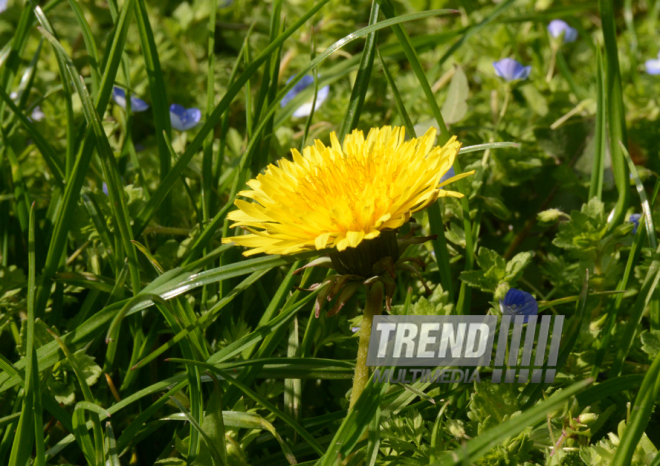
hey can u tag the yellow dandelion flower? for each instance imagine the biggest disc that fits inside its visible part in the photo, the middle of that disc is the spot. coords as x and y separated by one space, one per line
339 196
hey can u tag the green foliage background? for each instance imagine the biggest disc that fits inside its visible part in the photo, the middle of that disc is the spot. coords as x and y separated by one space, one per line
129 335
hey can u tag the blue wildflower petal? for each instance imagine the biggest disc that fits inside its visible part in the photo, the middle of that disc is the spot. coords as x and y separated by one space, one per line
519 303
511 70
137 104
634 219
297 89
450 174
37 114
558 26
184 119
3 5
306 108
653 66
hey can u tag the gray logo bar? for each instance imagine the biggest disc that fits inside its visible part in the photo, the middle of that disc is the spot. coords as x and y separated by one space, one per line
466 341
431 340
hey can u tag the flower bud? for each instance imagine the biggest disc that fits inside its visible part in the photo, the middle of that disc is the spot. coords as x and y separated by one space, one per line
549 216
587 418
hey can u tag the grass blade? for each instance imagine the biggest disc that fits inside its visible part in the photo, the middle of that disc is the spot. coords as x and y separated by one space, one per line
646 208
598 168
640 415
27 427
616 121
161 110
89 398
643 299
217 460
361 85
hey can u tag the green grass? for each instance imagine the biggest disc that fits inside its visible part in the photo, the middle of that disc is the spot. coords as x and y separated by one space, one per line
131 335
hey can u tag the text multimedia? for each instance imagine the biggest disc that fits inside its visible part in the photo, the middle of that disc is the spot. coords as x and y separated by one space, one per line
426 376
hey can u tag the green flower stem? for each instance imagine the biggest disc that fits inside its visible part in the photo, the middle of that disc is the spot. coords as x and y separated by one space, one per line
553 60
373 307
484 160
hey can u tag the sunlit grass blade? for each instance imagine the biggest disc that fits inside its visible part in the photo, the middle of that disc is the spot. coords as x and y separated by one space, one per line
362 79
90 45
640 415
159 102
646 208
487 146
111 446
13 60
27 80
315 75
398 100
602 143
69 157
80 431
616 120
207 158
149 256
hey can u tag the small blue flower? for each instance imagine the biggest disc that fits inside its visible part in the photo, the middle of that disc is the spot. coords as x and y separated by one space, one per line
653 66
119 96
450 174
511 70
37 114
519 303
305 109
3 5
104 188
183 118
557 27
634 219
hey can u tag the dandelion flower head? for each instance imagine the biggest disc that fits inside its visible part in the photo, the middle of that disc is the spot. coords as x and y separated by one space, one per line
341 195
